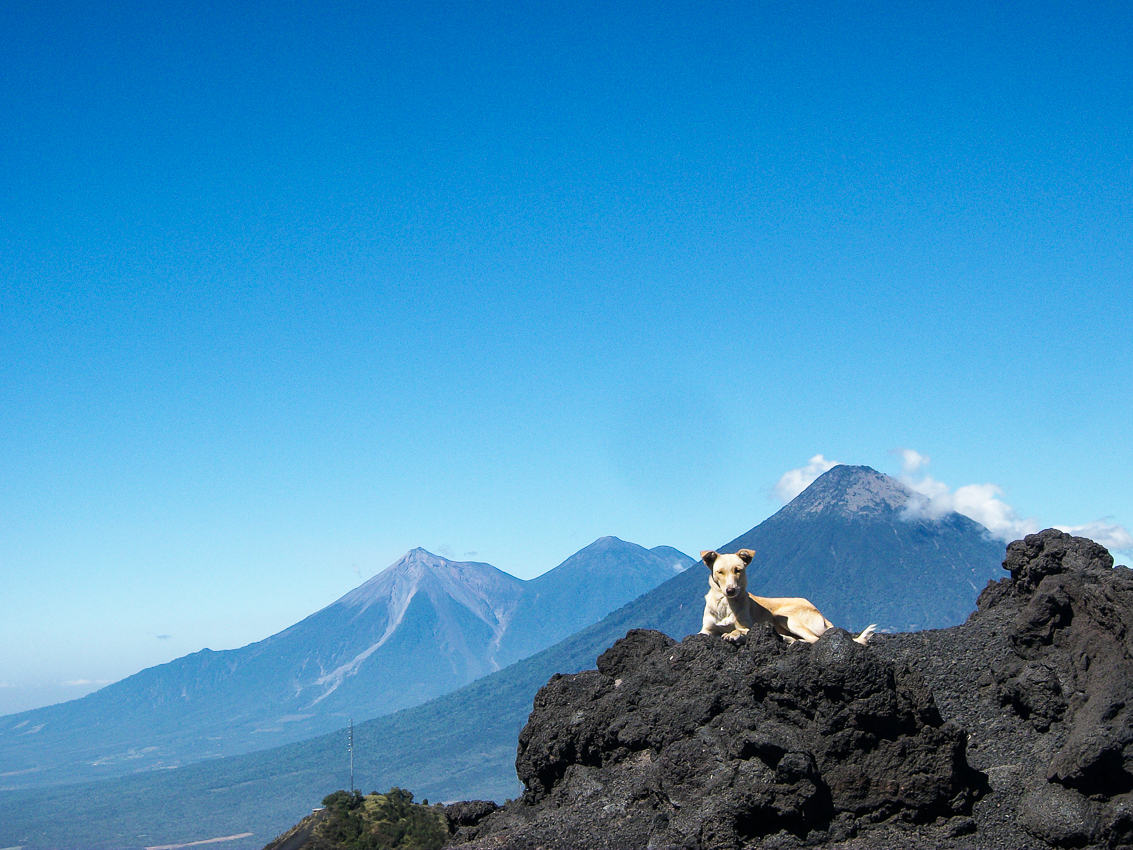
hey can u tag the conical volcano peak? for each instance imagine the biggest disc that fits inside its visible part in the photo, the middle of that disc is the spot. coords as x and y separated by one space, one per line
418 567
848 545
850 490
420 556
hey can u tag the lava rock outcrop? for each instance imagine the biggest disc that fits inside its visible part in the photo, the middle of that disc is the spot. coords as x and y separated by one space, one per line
1071 678
1012 731
706 744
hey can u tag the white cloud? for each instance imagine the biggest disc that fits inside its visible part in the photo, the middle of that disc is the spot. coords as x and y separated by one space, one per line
794 482
84 683
981 502
934 499
1108 534
911 460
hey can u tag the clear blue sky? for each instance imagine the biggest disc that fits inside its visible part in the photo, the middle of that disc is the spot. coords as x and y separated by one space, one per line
289 289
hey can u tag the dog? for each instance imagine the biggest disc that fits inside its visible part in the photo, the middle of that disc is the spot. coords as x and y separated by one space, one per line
731 611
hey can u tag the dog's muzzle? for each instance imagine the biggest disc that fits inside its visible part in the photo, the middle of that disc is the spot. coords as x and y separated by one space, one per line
731 592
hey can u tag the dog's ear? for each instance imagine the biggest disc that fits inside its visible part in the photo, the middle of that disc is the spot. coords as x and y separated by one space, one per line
746 555
709 558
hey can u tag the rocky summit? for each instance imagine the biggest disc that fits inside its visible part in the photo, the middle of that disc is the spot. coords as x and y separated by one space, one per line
1012 731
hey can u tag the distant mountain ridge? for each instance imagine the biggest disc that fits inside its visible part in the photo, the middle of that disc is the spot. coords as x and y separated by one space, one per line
608 579
463 745
479 587
421 628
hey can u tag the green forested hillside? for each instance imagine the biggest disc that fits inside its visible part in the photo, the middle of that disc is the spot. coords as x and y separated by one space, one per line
350 820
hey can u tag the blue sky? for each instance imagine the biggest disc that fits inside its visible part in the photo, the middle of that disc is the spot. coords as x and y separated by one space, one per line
288 290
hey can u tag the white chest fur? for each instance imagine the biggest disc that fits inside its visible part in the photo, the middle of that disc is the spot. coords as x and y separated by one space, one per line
716 604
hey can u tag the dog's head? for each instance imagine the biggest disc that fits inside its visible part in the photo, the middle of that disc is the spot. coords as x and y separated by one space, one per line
729 572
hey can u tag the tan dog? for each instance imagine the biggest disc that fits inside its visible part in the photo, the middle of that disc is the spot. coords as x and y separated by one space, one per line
729 610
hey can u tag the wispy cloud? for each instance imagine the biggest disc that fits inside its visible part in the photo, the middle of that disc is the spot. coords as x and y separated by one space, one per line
911 460
934 499
983 503
1110 535
84 683
796 480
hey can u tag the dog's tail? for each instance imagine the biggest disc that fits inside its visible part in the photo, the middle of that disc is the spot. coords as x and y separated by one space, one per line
866 634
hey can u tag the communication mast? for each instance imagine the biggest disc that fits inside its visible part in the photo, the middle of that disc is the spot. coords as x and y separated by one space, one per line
350 747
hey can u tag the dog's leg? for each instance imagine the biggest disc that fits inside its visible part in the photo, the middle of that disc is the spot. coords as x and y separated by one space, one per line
738 636
866 634
799 630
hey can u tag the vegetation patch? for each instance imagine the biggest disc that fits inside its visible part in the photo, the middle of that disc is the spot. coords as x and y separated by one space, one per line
390 821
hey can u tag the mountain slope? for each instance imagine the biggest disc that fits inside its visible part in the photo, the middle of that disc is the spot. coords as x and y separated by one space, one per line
421 628
584 588
851 544
846 544
459 745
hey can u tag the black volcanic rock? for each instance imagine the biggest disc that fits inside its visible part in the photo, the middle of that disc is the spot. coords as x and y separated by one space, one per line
1052 552
468 813
1013 731
705 744
1041 676
1071 677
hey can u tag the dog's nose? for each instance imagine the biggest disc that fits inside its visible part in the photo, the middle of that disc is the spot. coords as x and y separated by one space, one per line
730 591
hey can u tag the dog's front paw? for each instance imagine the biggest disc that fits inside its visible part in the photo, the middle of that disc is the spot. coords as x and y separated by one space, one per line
737 637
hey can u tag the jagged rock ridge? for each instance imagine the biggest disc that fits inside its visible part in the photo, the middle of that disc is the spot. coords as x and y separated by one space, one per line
1012 731
1069 676
703 744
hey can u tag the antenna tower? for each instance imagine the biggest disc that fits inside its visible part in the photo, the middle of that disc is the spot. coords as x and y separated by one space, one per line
350 746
